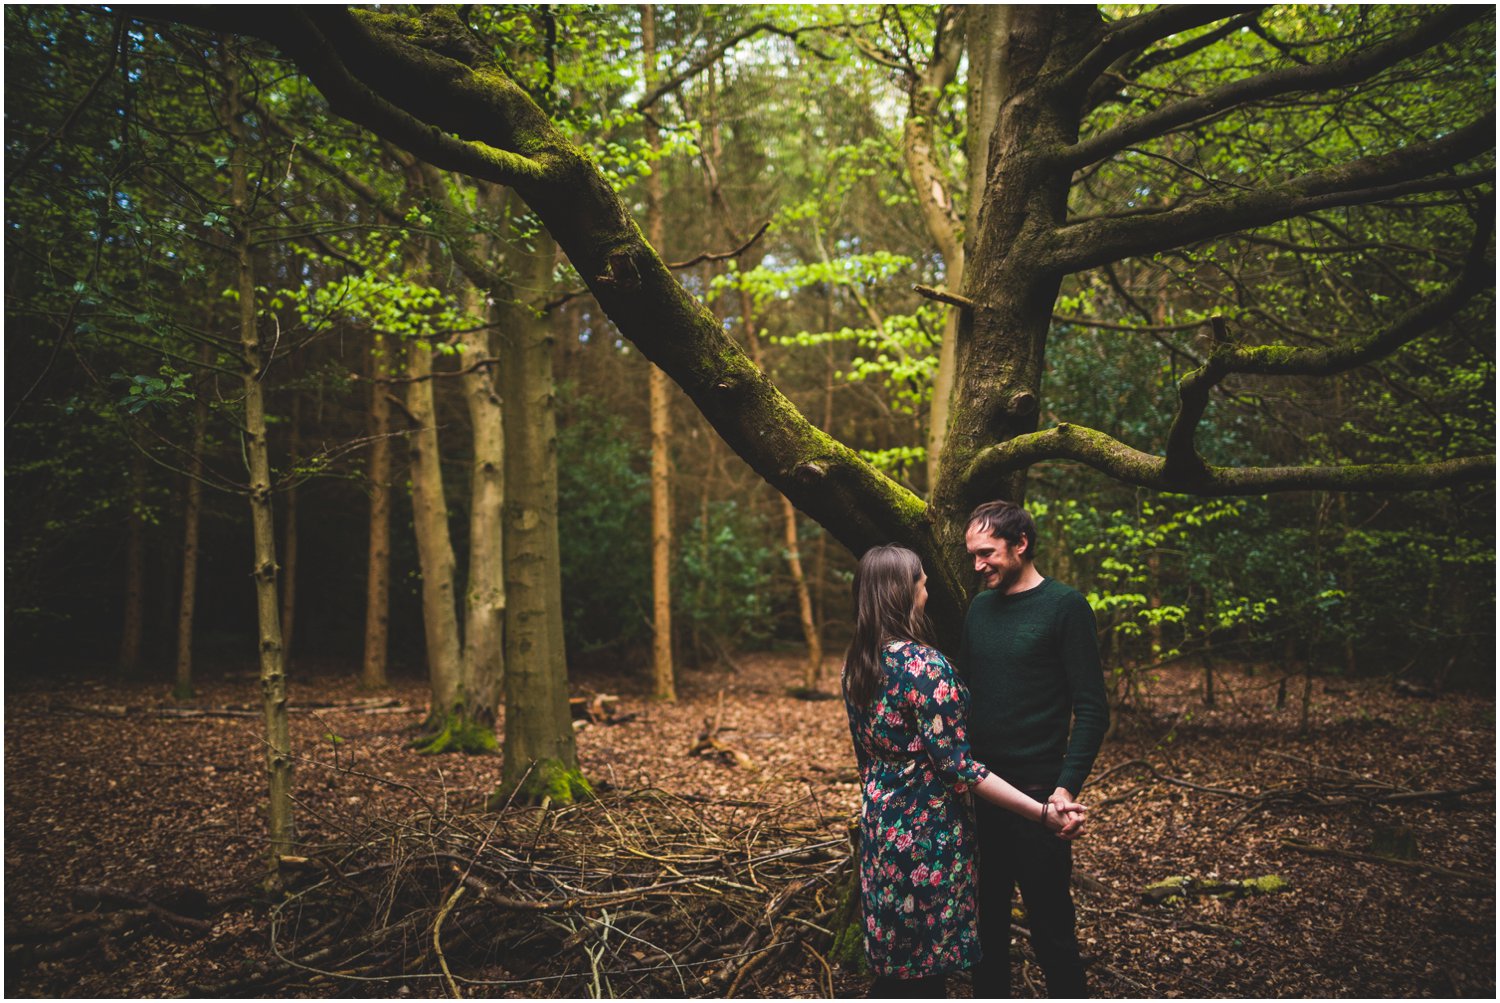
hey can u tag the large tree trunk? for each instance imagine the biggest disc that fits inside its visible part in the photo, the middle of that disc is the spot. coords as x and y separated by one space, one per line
541 761
191 510
378 583
1003 335
272 674
664 684
133 625
429 507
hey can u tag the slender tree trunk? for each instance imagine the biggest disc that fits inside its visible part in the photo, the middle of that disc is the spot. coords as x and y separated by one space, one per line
289 533
813 668
129 662
540 759
191 510
664 685
429 506
272 674
378 586
484 597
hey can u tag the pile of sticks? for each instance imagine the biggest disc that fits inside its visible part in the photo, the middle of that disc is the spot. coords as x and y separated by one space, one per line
634 894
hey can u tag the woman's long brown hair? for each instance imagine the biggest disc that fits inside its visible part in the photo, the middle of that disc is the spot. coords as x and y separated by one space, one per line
885 592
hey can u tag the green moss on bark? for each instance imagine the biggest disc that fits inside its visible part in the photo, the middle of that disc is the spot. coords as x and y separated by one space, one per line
848 950
551 781
455 732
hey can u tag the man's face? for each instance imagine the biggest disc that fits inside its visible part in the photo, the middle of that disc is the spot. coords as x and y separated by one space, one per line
997 560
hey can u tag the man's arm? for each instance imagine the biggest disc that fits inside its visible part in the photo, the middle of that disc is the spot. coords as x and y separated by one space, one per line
1080 657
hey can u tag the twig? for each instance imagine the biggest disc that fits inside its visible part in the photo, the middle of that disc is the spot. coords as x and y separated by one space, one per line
437 941
944 296
721 256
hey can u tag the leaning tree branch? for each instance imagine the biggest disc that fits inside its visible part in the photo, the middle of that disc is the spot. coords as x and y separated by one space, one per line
1359 65
318 43
403 80
1408 171
1124 463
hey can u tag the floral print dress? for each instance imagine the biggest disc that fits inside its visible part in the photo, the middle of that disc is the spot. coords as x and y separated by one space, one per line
916 830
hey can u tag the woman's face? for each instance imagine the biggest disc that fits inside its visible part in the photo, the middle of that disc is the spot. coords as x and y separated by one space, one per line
919 597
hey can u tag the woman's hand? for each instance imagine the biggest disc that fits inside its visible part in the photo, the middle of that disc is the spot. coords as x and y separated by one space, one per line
1063 817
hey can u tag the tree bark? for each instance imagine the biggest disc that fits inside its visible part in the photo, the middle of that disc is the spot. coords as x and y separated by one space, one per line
429 507
378 579
937 198
484 594
257 449
540 758
191 509
663 676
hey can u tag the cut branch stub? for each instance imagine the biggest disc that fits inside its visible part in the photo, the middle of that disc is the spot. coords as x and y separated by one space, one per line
1021 403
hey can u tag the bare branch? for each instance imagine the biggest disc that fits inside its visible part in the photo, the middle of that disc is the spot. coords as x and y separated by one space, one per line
388 380
1406 171
722 255
1133 34
1357 66
944 296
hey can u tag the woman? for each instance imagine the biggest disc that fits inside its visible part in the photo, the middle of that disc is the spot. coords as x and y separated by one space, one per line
907 715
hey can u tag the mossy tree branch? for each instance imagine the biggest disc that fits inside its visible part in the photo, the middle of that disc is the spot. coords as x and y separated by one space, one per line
374 71
1131 466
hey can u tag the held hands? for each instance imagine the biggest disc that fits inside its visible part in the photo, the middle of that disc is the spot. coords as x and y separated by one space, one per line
1064 816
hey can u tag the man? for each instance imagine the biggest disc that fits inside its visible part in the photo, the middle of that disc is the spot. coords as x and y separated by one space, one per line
1031 659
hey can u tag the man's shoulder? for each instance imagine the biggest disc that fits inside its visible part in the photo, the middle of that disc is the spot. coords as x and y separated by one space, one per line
1066 594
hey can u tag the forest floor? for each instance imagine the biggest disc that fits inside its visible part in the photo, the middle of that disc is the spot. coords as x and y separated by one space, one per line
102 790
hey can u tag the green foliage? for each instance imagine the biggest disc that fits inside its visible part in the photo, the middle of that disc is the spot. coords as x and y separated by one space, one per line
166 390
603 500
1161 576
724 570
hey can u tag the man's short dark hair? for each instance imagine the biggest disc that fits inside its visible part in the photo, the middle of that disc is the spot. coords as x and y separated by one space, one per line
1006 521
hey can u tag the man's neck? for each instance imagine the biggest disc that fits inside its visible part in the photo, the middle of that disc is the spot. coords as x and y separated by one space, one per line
1029 578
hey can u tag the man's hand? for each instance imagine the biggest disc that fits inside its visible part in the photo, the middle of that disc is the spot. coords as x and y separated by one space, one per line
1070 811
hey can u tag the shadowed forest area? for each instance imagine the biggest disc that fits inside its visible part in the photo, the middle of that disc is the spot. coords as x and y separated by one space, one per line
438 442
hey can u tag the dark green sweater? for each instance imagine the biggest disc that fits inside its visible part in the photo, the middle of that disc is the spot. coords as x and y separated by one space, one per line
1031 661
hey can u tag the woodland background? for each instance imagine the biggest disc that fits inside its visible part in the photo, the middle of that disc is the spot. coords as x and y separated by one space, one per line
280 395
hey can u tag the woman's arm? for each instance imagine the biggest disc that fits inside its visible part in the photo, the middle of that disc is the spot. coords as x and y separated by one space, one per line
998 792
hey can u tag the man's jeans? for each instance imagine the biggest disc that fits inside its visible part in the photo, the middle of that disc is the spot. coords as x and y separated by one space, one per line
1015 850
